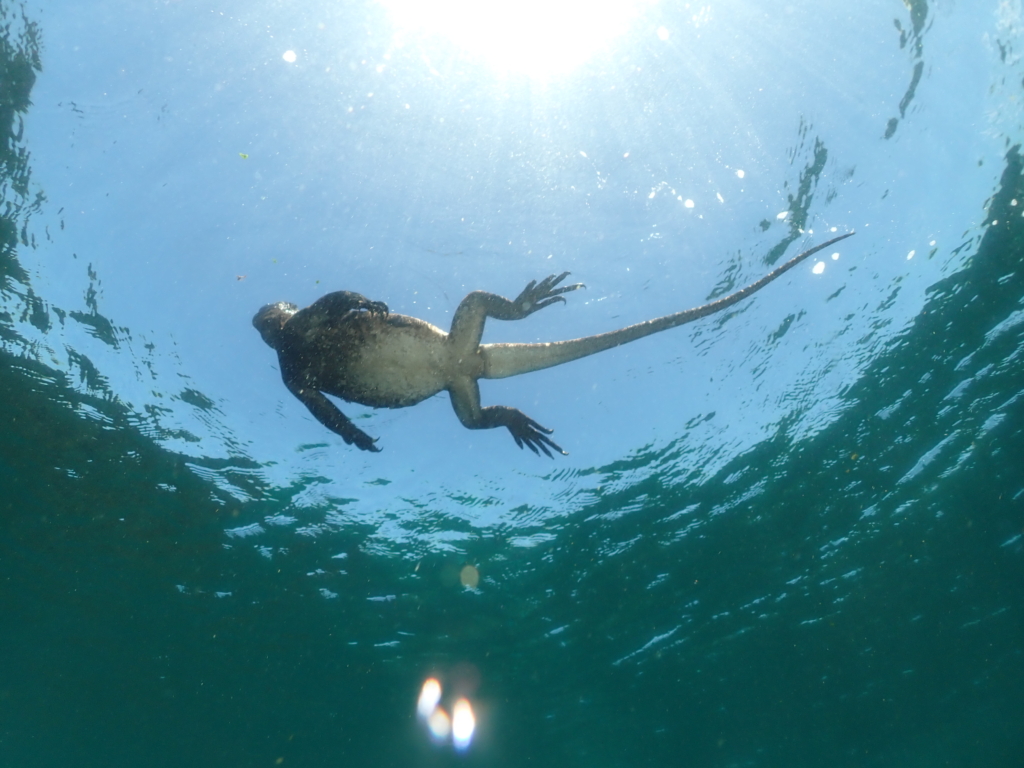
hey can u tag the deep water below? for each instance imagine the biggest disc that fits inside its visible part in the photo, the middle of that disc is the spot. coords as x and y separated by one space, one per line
851 599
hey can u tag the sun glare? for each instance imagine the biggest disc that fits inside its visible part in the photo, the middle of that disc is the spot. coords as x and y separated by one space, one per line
539 38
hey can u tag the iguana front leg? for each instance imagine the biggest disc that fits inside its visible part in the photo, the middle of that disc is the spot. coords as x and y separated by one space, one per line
337 304
328 414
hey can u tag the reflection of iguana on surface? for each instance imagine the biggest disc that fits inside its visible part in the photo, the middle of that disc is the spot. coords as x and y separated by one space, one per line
353 348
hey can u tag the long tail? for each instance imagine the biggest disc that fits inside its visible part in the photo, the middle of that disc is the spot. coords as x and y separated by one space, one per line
501 360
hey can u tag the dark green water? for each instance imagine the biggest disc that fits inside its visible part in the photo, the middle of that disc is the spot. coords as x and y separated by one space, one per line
849 599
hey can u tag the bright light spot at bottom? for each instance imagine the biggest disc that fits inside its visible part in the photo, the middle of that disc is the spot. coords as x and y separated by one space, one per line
463 724
439 724
819 268
430 694
289 56
537 37
459 726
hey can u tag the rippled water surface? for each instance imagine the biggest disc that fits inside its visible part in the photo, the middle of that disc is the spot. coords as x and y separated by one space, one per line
791 534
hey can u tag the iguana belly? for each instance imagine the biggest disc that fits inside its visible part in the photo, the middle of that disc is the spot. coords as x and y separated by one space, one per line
390 362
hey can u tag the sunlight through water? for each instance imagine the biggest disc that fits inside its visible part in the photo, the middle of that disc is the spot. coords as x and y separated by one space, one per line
538 38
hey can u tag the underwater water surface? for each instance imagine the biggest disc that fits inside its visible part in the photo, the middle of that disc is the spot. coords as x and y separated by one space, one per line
788 535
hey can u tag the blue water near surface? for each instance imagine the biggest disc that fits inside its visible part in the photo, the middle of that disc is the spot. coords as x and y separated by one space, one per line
790 534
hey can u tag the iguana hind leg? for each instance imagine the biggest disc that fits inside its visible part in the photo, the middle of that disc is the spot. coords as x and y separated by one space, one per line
473 311
464 339
465 395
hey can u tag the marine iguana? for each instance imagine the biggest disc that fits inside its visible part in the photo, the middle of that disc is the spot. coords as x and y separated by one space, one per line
348 346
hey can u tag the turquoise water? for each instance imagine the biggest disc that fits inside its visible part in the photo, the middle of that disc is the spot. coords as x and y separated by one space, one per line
790 536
